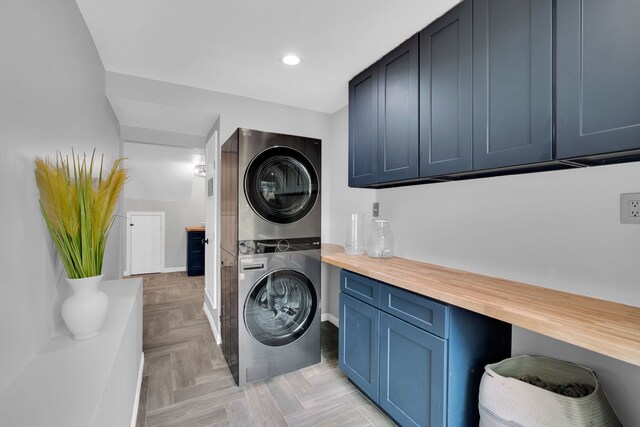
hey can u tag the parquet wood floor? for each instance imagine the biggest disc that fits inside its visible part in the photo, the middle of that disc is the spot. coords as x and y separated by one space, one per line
186 381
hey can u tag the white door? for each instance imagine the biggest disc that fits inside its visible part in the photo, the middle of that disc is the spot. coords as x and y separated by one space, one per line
211 218
146 242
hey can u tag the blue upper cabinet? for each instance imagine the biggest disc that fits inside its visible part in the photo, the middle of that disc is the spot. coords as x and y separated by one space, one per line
363 128
512 82
498 86
597 77
398 113
446 93
383 119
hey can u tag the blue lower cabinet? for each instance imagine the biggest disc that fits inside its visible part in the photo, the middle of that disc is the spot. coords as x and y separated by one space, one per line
195 253
412 373
358 348
420 360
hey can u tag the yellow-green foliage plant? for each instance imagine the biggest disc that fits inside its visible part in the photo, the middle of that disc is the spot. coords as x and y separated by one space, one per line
79 209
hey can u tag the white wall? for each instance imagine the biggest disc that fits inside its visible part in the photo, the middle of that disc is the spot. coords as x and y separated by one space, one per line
162 180
52 98
558 229
178 215
236 111
343 200
212 215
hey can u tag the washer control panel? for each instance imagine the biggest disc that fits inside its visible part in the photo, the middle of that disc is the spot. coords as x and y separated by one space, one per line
250 247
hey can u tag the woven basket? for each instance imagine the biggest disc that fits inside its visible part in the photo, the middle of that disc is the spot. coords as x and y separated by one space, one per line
506 401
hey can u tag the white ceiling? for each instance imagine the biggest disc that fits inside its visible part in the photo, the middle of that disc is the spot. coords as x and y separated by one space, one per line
235 46
147 115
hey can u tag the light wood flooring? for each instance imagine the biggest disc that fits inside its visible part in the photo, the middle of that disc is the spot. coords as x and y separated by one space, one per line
186 381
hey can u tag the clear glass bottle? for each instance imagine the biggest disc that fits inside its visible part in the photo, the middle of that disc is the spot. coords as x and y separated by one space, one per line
354 239
380 243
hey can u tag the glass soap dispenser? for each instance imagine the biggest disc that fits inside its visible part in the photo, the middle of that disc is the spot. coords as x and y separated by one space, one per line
381 240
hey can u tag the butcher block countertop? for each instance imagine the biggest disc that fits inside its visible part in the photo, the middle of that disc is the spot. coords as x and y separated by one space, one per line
605 327
198 228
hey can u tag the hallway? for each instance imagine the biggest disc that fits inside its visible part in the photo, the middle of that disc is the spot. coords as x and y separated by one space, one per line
186 381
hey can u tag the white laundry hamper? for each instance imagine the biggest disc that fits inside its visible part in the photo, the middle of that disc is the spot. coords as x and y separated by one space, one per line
505 400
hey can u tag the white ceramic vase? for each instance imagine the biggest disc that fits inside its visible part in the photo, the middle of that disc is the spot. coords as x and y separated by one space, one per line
84 311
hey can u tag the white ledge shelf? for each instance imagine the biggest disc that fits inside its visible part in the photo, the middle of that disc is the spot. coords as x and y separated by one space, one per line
84 383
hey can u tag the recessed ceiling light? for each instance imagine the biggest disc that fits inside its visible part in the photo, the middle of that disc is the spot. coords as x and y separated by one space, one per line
291 59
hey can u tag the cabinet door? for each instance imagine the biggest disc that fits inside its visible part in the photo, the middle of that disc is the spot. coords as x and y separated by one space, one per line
413 366
363 128
195 253
358 348
597 77
512 89
398 141
446 93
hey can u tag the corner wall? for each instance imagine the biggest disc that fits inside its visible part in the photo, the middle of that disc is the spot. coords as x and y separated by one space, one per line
161 179
234 112
557 229
52 98
343 200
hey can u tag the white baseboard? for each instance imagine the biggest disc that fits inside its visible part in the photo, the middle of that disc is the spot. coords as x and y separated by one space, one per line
166 270
209 315
208 296
134 416
331 318
174 269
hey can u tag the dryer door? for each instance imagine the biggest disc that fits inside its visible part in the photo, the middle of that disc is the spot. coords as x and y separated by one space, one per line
280 307
281 185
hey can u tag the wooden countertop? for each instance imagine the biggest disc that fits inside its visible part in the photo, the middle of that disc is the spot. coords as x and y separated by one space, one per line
606 327
194 228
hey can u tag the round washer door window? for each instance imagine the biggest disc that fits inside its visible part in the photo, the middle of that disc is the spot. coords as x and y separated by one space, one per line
281 185
280 307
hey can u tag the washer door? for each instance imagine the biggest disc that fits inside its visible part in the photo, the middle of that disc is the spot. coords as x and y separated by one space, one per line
280 307
281 185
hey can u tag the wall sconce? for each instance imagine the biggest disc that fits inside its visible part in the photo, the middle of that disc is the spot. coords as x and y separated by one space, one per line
200 170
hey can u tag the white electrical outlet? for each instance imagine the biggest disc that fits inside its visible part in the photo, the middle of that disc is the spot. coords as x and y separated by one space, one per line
630 208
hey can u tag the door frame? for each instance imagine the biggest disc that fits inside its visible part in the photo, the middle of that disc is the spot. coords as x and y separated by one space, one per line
212 231
213 271
128 239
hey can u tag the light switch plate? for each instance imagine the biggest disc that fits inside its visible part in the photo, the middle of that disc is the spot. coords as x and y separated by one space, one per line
630 208
210 187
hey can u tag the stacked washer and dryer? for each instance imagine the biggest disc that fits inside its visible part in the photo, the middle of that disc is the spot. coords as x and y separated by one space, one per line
270 253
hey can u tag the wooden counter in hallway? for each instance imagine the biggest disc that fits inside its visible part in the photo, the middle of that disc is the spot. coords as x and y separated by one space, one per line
606 327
